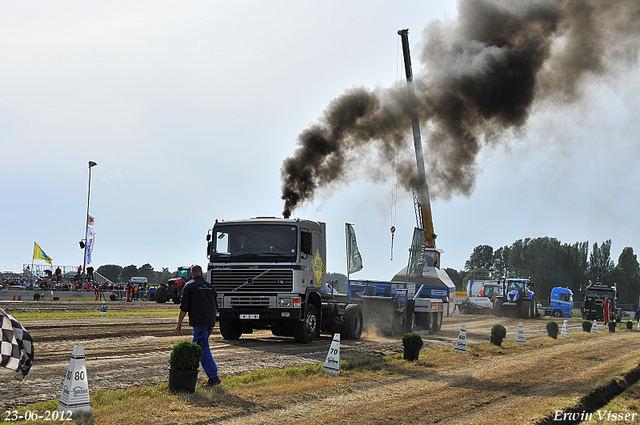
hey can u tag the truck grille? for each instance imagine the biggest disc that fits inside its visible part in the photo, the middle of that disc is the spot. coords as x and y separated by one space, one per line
242 281
252 302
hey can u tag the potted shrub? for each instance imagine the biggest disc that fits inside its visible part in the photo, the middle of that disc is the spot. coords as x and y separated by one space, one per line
498 332
586 326
612 326
183 366
552 329
36 297
112 297
412 343
630 324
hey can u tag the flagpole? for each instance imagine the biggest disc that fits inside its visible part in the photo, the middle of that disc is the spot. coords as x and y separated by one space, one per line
86 226
33 256
346 248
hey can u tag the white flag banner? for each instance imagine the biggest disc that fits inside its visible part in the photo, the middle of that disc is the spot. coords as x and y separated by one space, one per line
91 238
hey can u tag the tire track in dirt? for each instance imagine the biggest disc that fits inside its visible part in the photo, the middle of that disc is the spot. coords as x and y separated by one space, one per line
492 390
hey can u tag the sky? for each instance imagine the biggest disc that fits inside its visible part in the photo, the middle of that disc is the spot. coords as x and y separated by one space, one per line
190 108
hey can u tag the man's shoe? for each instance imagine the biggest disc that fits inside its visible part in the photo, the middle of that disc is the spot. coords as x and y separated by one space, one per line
213 381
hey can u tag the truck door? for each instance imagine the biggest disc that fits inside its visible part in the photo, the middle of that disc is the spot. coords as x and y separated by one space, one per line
306 256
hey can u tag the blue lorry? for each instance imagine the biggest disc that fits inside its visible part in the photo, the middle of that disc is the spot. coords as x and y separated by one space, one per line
561 302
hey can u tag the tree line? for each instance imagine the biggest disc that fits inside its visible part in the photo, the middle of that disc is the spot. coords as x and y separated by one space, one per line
551 263
547 261
117 273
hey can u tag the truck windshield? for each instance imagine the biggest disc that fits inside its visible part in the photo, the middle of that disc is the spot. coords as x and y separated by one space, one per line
490 291
599 293
254 243
565 297
517 285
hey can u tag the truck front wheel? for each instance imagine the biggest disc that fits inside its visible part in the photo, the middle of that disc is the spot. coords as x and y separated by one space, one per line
230 330
557 313
352 325
305 331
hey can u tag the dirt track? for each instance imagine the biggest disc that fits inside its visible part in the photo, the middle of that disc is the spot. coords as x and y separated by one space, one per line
125 352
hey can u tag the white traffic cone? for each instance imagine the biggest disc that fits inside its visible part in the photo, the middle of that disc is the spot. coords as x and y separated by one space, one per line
332 363
461 343
565 329
520 339
594 327
75 390
103 309
457 310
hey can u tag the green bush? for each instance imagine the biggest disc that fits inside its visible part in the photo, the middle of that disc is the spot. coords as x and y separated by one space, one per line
586 326
498 331
552 327
412 340
36 297
185 356
112 297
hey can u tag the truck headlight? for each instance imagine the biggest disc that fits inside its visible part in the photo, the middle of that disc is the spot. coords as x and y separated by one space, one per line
286 302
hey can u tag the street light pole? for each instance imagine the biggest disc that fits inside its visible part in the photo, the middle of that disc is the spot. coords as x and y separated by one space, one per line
86 226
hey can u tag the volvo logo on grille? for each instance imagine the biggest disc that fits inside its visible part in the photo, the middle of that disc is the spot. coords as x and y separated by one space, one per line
250 281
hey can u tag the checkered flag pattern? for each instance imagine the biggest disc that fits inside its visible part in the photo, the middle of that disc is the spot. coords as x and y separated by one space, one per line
16 346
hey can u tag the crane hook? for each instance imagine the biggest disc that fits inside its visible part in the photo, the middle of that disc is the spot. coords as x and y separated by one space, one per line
393 233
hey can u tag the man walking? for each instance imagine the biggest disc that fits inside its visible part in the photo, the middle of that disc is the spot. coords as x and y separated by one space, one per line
199 299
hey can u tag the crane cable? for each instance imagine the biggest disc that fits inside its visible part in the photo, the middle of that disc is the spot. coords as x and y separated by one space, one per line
394 205
394 177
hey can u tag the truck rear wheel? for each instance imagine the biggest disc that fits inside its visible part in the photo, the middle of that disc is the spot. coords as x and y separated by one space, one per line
177 295
305 331
230 330
432 323
438 322
497 308
352 325
159 295
526 311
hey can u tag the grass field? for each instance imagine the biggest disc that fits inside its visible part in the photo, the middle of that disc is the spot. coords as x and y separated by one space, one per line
64 315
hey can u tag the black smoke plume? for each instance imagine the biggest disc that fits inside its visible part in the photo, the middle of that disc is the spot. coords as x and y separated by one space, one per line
480 77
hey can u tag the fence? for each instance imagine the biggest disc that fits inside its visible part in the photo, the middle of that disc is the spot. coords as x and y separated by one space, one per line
39 271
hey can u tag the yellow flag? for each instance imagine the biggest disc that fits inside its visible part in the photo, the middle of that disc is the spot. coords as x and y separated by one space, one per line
38 254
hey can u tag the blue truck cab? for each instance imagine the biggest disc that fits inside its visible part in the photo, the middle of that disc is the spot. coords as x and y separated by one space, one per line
561 302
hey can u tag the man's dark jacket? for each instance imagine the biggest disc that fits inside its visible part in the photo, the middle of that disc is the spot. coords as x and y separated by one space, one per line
199 299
